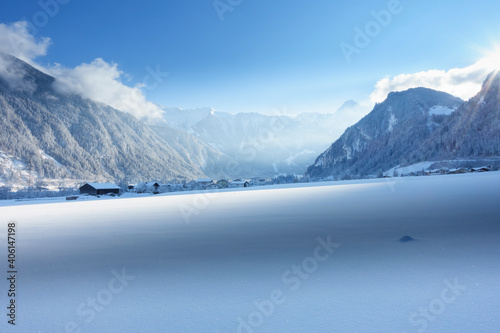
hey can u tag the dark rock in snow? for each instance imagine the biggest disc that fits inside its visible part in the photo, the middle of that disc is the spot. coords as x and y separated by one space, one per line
406 239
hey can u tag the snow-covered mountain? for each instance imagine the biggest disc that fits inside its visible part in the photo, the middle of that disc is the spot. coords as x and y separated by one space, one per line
59 135
387 136
48 134
212 162
185 119
416 127
266 145
473 131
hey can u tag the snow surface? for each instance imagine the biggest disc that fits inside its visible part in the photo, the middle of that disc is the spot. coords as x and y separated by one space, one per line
48 157
392 121
207 262
410 168
15 174
441 110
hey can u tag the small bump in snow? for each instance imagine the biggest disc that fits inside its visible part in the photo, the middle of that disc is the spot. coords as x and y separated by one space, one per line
406 239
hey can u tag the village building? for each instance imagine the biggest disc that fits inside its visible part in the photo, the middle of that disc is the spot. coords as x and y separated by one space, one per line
213 186
481 169
204 182
99 189
457 171
238 183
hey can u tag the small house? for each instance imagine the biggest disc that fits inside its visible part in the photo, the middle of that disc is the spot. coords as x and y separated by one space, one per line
204 182
439 172
481 169
457 171
239 183
150 187
99 189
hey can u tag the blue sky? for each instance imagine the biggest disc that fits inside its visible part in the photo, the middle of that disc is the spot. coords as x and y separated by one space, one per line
264 54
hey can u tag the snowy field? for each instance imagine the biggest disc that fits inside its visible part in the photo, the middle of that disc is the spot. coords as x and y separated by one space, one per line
314 258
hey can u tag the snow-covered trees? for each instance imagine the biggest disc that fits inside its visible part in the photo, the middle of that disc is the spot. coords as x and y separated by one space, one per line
471 132
65 136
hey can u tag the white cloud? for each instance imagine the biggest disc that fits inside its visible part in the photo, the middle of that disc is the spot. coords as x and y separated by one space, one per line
15 75
16 40
461 82
99 80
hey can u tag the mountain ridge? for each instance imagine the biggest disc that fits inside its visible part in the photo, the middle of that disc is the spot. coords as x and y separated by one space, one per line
414 126
90 140
266 145
381 139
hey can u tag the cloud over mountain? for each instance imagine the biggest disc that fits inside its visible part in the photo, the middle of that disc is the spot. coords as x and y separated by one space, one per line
98 80
16 40
461 82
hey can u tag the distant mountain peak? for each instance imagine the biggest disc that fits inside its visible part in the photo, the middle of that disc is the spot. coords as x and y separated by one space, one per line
383 137
418 92
351 111
18 75
349 104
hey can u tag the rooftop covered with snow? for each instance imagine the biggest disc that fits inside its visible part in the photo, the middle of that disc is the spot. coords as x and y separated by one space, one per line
103 186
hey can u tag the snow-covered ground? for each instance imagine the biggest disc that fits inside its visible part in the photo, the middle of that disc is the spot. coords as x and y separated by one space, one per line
441 110
17 175
408 169
317 258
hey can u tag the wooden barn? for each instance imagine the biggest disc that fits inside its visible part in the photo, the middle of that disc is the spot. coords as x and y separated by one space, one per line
99 189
